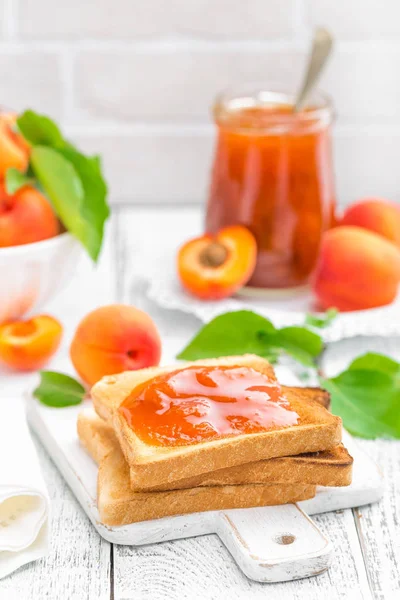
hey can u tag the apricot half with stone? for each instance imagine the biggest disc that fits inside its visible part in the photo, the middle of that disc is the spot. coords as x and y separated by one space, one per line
212 267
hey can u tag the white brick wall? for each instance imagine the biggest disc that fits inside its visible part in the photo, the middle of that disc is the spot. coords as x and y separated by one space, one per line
134 79
172 84
140 19
149 166
357 19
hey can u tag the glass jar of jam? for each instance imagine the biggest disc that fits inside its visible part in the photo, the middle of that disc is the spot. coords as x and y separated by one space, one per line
273 173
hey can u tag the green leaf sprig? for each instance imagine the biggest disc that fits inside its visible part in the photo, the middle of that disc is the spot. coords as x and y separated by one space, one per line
367 396
321 321
59 390
72 181
245 331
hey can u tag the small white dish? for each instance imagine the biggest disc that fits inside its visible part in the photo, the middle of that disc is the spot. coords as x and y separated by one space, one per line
31 274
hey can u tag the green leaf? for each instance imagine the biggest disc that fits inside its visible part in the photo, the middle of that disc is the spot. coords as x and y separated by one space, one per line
372 361
63 185
367 396
232 333
97 164
300 343
73 181
244 332
58 390
321 321
16 179
39 130
94 207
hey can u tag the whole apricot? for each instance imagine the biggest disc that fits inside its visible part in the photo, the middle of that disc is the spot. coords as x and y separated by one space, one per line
212 267
25 217
356 269
112 339
376 214
14 151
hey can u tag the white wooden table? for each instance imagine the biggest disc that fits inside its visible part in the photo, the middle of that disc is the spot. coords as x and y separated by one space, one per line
81 565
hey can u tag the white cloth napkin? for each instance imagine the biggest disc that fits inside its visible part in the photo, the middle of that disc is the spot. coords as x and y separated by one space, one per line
164 289
24 503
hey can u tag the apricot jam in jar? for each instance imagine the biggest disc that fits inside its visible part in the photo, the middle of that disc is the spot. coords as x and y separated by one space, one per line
273 173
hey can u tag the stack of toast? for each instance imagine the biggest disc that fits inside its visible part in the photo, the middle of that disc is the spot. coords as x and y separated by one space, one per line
139 481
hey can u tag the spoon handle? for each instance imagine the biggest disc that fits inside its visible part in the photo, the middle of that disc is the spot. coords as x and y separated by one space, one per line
321 49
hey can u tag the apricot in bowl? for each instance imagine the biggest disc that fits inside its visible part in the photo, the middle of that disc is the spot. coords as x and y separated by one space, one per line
25 217
14 150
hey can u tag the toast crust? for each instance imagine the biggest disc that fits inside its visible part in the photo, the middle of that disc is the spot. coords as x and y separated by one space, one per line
119 505
327 468
152 466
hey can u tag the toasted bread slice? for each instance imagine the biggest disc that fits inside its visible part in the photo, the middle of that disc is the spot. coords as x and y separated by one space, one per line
152 466
119 505
327 468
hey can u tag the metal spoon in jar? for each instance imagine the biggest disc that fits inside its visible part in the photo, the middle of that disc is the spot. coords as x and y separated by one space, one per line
320 51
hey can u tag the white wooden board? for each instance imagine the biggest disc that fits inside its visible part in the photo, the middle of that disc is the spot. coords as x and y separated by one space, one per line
278 543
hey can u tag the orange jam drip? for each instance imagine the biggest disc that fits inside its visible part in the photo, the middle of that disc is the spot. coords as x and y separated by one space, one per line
199 404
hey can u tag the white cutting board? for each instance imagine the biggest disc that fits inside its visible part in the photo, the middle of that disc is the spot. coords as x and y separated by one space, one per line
269 544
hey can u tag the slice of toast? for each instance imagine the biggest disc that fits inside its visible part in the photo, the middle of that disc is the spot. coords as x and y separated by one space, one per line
152 466
111 391
327 468
119 505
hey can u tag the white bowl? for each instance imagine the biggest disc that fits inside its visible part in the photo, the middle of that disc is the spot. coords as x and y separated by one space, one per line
31 274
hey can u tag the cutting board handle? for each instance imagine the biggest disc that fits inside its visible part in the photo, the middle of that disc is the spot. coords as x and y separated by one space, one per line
274 543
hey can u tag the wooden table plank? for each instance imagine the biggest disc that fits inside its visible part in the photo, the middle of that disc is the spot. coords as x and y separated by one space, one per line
379 524
78 564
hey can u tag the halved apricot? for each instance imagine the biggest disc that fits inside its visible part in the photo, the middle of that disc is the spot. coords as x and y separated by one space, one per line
212 267
29 345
